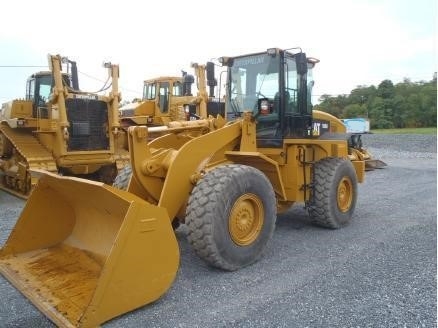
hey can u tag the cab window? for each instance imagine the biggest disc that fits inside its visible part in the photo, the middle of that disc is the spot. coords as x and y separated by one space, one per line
149 91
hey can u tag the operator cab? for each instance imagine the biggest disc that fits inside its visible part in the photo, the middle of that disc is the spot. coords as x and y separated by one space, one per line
38 89
160 90
276 87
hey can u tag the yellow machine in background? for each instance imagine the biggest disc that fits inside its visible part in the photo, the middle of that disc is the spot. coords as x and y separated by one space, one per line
84 252
59 128
169 98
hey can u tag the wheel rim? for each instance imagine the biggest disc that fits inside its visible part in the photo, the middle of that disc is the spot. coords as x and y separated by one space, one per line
345 194
246 219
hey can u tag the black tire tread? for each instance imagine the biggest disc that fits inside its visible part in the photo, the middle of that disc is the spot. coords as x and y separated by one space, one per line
321 206
205 198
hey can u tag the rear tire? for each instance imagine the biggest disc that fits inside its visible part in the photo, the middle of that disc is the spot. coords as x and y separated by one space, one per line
123 177
231 216
334 194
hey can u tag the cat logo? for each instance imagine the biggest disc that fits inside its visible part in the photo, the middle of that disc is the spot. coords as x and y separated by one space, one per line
320 127
92 97
316 129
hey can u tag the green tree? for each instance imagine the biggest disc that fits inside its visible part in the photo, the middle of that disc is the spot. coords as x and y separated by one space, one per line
380 117
406 104
355 110
385 89
428 101
332 105
399 111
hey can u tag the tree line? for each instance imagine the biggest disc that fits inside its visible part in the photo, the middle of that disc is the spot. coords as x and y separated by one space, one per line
404 105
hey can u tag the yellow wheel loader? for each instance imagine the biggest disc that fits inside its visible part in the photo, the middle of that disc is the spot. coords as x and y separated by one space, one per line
59 128
169 98
84 252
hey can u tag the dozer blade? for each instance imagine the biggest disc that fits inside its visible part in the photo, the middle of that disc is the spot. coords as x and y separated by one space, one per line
84 252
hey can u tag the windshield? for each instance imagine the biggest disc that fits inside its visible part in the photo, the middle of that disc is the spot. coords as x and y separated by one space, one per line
177 89
38 89
251 78
149 91
45 89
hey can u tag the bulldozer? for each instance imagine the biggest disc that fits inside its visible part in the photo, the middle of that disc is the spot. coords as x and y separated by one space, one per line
61 129
168 101
96 252
170 98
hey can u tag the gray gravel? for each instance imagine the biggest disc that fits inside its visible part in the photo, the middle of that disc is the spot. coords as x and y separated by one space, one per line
401 145
379 271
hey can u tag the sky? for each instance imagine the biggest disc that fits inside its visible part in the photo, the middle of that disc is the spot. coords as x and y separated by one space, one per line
359 42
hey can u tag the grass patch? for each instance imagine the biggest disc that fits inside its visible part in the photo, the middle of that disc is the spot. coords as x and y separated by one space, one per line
431 130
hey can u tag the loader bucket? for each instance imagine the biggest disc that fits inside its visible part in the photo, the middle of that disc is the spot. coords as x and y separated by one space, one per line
371 164
84 252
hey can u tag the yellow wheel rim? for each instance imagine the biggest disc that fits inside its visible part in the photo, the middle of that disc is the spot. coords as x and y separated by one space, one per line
345 194
246 219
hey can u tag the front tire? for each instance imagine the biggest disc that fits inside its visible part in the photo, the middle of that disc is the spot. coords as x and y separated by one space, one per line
334 194
231 216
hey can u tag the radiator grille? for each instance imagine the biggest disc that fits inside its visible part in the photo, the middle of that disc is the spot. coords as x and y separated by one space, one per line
88 124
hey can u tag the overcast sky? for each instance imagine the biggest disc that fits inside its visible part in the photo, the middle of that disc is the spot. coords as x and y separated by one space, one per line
359 42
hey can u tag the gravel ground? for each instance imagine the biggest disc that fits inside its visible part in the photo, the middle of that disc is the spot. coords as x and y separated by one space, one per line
379 271
401 145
